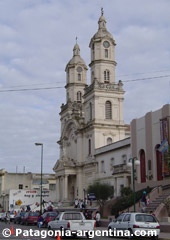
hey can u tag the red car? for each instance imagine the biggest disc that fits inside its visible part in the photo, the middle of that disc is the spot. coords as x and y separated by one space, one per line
49 216
30 218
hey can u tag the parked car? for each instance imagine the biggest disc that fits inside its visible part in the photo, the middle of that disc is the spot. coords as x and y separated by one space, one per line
12 216
30 218
48 216
72 221
17 218
140 222
22 217
3 217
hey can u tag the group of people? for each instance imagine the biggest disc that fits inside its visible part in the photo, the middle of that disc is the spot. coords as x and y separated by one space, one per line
79 203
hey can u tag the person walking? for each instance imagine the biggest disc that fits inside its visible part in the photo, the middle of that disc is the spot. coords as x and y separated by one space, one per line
98 219
143 202
7 218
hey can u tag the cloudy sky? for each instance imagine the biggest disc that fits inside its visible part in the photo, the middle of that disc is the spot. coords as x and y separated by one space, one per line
36 42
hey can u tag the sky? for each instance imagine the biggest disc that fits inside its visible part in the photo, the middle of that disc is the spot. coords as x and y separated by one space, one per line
36 42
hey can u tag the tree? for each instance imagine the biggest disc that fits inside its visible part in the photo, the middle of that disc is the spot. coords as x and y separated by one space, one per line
126 191
102 191
167 157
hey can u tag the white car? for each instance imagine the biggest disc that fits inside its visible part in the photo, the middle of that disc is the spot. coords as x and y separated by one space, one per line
72 222
137 224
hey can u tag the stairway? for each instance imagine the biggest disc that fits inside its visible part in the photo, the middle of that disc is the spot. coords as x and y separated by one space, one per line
153 205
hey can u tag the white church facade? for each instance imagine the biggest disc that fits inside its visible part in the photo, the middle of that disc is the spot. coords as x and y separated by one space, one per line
92 116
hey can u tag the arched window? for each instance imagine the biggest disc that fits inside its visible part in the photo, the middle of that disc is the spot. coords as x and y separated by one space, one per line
90 110
79 97
93 50
124 158
112 162
108 110
159 164
67 96
106 76
106 53
102 166
92 76
142 166
79 76
109 140
89 146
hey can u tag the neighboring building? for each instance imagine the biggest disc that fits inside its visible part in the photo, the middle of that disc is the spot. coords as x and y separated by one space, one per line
23 181
147 133
92 116
112 165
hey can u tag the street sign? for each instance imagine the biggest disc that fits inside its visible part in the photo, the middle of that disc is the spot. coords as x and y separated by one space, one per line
19 202
91 196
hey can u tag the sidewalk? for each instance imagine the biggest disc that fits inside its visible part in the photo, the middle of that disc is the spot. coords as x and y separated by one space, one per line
164 235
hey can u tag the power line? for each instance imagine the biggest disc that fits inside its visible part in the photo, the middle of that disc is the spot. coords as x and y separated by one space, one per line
48 88
143 73
35 84
143 79
28 89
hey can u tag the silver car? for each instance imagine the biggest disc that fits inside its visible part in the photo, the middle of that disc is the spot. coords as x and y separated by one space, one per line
135 225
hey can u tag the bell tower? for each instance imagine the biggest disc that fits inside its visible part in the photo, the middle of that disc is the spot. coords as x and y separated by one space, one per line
102 47
103 99
76 77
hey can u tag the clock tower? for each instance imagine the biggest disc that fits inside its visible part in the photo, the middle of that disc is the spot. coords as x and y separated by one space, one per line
103 99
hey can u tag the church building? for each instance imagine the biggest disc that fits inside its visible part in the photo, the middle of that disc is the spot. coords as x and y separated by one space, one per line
92 116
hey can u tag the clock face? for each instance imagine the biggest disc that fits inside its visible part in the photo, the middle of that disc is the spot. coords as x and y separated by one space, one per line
106 44
79 69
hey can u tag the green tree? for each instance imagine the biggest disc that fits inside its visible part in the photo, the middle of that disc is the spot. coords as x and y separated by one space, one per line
102 191
126 191
167 157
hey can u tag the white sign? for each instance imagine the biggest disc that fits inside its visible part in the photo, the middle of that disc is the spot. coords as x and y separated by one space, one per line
28 197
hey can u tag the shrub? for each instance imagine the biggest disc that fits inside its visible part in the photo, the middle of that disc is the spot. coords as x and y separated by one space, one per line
127 201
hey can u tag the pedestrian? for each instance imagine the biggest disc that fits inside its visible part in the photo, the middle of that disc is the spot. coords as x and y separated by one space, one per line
98 219
117 214
40 221
76 203
143 202
147 201
7 218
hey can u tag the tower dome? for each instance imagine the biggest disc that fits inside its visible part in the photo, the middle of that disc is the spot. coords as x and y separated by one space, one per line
102 30
76 59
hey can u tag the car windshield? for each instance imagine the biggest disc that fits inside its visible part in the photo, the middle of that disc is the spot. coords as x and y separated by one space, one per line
52 214
34 214
145 218
72 216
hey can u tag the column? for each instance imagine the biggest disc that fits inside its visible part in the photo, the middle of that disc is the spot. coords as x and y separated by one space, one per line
66 187
57 189
125 181
79 184
115 187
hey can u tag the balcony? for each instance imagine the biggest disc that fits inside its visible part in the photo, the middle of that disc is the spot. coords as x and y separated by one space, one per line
121 168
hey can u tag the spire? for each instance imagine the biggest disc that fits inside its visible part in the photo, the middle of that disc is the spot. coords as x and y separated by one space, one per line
102 11
102 20
76 49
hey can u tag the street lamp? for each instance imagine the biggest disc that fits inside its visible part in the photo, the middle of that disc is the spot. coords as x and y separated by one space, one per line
132 162
40 144
3 196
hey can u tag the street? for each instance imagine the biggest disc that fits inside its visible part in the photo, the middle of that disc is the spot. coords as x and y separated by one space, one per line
16 228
